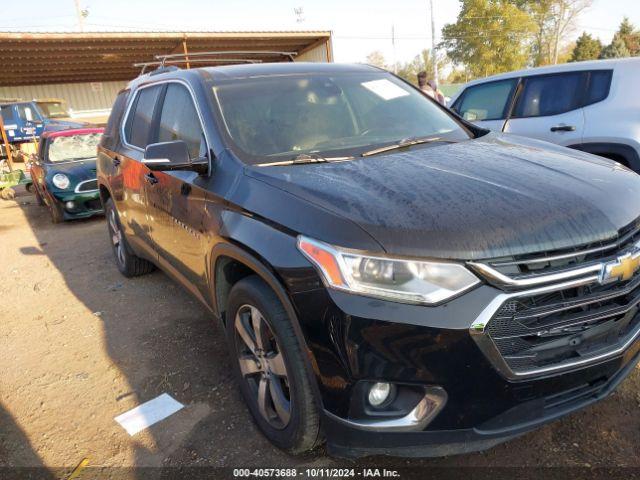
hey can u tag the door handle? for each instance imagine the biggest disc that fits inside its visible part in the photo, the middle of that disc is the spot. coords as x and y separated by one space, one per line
116 161
150 178
563 128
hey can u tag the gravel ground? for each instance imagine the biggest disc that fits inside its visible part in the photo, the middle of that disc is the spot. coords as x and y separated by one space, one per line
81 344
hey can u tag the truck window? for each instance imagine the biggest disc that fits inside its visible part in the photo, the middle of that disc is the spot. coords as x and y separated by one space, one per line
488 101
27 113
7 113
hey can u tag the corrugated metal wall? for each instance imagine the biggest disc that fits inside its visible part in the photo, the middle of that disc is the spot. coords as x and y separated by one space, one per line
317 54
79 96
97 96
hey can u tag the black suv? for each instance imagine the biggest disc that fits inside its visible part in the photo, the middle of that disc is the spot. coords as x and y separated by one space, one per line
390 277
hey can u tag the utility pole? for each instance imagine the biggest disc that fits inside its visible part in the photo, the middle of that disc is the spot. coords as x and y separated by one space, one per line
81 15
434 57
7 147
393 44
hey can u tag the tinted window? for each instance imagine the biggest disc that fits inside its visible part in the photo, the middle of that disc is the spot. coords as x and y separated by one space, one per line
179 120
111 130
549 95
599 83
138 124
488 101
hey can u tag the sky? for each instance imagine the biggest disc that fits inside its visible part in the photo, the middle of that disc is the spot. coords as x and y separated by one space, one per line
359 27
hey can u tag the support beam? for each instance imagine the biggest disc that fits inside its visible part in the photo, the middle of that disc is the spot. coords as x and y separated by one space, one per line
5 140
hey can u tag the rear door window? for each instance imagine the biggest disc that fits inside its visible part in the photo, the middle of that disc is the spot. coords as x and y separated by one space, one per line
138 126
547 95
599 84
179 121
489 101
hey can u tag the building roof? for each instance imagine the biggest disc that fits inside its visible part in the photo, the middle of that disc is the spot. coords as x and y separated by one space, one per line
40 58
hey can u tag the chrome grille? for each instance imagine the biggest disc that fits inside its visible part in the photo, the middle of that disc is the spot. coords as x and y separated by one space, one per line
87 186
527 269
551 330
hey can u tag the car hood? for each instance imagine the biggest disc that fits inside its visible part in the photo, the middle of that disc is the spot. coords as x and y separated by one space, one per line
76 171
484 198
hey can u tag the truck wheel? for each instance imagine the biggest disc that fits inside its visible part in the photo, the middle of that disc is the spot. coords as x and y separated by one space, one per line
269 366
128 264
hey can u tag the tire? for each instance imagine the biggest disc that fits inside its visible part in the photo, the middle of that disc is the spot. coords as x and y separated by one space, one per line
55 211
128 264
299 430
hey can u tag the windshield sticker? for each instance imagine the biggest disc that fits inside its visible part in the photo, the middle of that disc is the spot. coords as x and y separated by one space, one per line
385 89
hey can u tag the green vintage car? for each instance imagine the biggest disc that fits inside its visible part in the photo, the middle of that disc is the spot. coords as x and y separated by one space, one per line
64 173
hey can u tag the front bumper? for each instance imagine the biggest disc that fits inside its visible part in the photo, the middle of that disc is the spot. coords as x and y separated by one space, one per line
354 339
86 204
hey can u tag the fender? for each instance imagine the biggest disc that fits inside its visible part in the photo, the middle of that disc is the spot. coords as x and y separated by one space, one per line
612 150
235 252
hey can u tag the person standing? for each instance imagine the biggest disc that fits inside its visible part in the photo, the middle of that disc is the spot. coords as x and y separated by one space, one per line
430 88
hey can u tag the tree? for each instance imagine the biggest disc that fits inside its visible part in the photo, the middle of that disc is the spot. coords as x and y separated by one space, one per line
555 21
616 49
587 48
377 59
630 36
489 36
422 62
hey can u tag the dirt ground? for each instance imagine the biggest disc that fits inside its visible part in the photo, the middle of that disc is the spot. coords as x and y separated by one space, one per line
80 344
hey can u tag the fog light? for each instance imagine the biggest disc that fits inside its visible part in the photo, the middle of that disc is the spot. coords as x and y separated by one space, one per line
379 393
70 205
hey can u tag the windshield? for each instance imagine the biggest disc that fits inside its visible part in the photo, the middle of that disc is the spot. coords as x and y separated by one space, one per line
53 109
283 117
73 147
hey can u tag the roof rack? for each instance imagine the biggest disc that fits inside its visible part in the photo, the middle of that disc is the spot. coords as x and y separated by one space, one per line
270 53
171 63
210 57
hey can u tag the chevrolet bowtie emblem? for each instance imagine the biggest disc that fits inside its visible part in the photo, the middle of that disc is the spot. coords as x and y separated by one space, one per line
621 269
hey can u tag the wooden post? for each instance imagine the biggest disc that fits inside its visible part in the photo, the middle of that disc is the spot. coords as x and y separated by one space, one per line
186 52
6 144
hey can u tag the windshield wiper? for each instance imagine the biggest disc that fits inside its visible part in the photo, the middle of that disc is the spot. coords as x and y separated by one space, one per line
304 159
406 142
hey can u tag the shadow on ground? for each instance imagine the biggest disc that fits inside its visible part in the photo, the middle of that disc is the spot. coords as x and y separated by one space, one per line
160 340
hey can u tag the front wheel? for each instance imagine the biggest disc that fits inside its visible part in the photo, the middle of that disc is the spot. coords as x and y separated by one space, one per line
55 211
128 264
269 365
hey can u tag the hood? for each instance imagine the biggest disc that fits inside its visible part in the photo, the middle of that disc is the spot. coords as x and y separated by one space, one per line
76 171
484 198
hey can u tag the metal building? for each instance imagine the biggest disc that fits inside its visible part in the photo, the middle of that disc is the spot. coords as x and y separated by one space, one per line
88 69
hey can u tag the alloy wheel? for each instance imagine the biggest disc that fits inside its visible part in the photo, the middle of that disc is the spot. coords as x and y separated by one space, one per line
116 237
262 366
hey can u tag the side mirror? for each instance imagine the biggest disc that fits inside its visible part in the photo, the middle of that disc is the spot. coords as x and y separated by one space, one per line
171 156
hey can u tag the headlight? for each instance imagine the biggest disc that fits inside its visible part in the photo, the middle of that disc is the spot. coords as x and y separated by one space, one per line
61 181
402 280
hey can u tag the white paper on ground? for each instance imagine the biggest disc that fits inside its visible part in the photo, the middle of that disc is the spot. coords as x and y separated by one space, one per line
148 413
